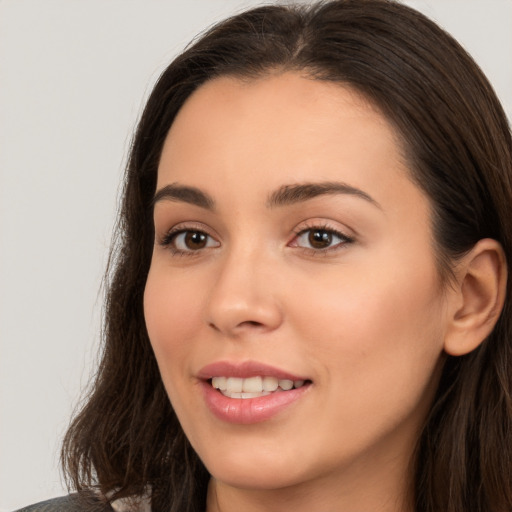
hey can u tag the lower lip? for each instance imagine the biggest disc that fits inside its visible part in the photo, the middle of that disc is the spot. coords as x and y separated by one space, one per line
249 410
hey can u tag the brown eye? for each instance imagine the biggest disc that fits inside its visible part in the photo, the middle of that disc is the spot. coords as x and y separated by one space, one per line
195 240
319 238
188 241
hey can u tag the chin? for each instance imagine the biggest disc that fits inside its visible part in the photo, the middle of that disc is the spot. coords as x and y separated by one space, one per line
255 471
256 479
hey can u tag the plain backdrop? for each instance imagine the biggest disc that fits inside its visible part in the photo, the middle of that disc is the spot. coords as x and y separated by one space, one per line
73 77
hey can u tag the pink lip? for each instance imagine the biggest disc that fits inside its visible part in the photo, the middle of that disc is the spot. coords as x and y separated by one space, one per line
244 370
247 410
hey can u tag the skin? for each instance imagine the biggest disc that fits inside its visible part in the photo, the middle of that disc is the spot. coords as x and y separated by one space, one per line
364 320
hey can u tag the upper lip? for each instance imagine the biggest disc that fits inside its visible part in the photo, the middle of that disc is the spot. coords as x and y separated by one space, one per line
244 370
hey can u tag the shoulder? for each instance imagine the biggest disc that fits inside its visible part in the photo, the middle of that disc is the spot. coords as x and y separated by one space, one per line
70 503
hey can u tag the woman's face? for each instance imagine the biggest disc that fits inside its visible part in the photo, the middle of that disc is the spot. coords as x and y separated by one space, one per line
291 248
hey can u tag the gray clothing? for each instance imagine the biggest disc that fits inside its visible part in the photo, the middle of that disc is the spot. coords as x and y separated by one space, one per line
70 503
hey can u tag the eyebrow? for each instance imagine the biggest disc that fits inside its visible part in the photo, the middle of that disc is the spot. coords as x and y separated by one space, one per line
292 194
283 196
183 193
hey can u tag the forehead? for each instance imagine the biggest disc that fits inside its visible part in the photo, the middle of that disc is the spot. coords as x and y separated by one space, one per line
286 128
283 104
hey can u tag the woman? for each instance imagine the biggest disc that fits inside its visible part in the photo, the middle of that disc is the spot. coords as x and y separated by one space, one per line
308 306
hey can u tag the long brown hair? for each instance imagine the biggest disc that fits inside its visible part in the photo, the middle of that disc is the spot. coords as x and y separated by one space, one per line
457 141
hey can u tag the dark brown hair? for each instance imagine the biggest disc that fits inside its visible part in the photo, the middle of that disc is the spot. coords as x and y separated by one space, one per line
457 141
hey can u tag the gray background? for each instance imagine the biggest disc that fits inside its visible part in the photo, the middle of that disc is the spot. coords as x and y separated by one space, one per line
73 77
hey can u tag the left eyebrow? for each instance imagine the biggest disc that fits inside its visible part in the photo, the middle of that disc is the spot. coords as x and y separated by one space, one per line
292 194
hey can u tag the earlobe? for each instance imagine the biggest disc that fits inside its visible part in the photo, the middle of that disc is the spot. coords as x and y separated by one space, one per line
478 298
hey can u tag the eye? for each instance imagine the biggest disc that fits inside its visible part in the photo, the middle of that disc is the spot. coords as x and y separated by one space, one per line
188 241
320 239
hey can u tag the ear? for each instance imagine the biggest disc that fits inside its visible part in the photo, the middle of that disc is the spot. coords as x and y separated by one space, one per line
477 299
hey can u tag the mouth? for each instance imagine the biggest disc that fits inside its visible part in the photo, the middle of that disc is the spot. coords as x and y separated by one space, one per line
250 392
254 387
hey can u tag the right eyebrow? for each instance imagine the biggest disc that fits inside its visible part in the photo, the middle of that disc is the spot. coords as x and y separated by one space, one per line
185 194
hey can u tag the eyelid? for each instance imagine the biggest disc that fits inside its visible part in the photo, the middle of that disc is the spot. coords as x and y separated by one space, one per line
322 225
327 225
166 238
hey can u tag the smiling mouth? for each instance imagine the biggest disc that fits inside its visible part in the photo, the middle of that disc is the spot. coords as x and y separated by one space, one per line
254 387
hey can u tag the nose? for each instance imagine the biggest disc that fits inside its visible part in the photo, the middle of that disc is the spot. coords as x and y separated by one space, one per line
244 296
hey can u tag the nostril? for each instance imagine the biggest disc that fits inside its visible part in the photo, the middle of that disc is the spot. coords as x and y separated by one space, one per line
247 323
252 323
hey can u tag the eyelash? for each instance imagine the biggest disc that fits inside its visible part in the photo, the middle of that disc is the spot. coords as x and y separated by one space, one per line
169 240
325 228
170 237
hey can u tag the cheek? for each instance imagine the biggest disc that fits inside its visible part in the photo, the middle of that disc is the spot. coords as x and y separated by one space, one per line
376 351
375 333
172 317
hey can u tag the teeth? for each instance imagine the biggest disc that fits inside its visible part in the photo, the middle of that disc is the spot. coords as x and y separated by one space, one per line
234 385
220 383
249 395
286 384
270 383
253 387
